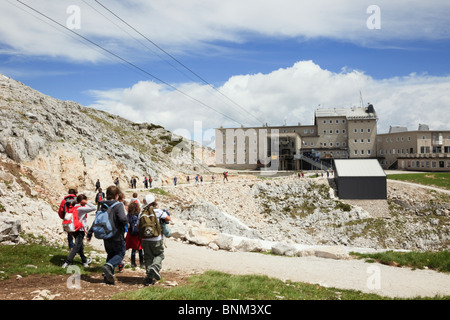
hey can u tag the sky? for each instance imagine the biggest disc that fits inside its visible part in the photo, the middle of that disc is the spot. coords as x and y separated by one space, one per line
211 63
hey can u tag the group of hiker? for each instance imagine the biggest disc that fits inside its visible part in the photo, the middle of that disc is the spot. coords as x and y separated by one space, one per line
145 226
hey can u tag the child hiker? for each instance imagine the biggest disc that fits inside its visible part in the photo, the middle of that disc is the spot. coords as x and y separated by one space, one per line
132 240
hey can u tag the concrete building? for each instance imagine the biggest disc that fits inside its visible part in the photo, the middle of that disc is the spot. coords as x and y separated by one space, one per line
419 150
360 179
337 133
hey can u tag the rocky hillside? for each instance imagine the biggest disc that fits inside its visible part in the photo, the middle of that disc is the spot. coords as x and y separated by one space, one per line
66 144
297 214
48 145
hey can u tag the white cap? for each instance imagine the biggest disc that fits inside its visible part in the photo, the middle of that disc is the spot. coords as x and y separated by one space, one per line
150 198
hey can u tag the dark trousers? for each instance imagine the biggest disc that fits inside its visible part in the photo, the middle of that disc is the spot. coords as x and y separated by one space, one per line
115 250
77 248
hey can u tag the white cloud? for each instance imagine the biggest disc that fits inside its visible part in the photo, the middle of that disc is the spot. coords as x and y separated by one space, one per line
193 25
289 94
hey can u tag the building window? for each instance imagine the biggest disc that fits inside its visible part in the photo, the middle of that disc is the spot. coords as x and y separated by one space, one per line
337 131
362 130
331 131
368 140
355 130
424 149
305 131
369 152
362 151
343 131
324 121
368 130
355 152
311 131
324 131
356 140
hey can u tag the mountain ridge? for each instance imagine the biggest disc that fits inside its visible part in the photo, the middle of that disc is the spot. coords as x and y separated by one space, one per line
76 145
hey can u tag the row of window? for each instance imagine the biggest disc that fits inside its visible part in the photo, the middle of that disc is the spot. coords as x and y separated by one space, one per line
335 121
426 164
335 131
423 149
362 152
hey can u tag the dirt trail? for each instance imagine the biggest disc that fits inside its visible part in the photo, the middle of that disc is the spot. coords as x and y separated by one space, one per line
344 274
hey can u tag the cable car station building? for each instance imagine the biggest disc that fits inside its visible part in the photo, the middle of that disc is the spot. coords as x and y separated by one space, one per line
345 133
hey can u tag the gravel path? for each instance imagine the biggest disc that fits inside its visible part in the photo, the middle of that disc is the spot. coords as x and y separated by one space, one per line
344 274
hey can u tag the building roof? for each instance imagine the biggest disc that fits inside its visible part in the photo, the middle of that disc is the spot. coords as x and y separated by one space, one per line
358 168
349 113
396 129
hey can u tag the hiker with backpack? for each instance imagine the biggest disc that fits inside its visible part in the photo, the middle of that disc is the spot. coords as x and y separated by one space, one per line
66 204
109 224
135 199
133 240
152 238
99 197
77 219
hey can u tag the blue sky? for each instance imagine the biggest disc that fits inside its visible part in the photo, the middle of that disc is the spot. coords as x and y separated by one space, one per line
278 60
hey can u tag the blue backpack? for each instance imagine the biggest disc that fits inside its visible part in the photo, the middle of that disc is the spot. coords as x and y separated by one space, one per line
104 226
133 221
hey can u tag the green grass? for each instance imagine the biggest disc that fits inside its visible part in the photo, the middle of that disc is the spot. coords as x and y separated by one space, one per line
35 258
214 285
437 179
160 192
439 261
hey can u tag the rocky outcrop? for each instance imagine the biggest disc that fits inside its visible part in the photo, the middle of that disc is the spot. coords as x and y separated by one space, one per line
298 217
74 146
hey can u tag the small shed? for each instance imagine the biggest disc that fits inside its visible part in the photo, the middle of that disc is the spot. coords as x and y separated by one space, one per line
360 179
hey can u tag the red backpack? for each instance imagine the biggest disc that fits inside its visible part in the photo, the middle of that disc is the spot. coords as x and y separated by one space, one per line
67 204
71 222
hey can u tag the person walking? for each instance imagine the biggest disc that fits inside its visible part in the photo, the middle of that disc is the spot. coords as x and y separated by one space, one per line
114 246
80 211
154 246
65 205
97 185
99 197
133 241
145 183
